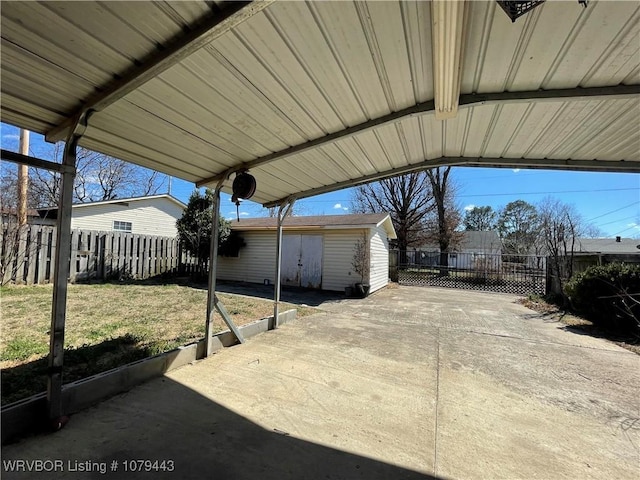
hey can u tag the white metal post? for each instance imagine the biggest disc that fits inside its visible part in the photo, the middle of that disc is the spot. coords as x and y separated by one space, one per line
213 265
55 408
283 211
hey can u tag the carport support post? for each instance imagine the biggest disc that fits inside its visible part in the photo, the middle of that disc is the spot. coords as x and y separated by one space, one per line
55 408
213 266
212 301
283 211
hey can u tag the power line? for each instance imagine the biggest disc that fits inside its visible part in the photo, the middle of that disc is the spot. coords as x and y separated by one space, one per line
622 231
614 211
506 194
548 193
614 221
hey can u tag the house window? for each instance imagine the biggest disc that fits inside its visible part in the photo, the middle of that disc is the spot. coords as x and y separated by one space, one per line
122 226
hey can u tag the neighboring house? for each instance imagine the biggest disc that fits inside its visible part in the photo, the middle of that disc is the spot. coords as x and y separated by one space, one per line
607 246
475 247
598 251
317 252
150 215
10 216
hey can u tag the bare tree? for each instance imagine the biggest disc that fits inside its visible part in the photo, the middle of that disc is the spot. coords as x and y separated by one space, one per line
9 188
444 229
407 198
98 177
560 227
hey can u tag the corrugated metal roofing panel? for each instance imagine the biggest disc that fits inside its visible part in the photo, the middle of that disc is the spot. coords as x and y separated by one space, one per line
556 45
296 72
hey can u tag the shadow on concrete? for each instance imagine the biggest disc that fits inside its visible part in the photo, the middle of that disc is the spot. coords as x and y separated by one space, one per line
294 295
166 421
597 332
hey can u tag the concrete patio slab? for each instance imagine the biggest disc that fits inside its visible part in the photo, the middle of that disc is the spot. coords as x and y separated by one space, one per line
408 383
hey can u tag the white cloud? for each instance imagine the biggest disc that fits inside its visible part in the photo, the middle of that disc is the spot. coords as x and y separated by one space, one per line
470 207
338 206
11 136
516 170
244 214
633 225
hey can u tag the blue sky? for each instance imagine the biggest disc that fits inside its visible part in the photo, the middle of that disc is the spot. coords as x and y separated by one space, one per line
610 201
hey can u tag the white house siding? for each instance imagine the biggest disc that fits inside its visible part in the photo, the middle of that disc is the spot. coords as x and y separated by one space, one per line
379 271
255 262
148 217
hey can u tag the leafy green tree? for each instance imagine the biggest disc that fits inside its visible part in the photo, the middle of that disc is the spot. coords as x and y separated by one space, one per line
519 227
194 227
480 219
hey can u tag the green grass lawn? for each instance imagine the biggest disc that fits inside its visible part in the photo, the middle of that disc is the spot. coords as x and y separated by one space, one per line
107 325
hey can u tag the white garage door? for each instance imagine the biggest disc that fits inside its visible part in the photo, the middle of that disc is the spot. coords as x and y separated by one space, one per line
302 260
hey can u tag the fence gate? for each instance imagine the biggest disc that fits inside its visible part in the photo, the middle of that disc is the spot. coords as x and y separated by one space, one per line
518 274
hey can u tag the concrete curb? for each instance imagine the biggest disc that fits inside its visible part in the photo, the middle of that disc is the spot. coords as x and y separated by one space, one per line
29 415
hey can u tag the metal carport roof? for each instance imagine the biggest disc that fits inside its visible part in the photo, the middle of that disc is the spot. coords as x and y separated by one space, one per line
315 96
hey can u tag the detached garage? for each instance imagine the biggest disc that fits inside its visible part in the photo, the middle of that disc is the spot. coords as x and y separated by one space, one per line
317 252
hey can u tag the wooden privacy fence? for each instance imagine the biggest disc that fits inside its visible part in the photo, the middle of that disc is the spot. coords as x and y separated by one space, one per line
27 253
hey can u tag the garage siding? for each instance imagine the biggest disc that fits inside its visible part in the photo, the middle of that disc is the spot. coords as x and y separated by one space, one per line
337 268
255 262
379 271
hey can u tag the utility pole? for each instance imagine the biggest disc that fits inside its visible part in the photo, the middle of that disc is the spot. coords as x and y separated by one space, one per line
23 179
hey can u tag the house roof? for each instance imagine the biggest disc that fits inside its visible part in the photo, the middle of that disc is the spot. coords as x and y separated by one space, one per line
13 212
608 245
320 222
52 212
123 201
317 96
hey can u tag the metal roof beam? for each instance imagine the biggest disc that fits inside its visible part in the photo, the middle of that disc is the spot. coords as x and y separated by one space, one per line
466 101
210 28
35 162
417 109
626 166
573 94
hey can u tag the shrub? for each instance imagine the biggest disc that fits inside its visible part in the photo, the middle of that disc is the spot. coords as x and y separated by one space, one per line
608 295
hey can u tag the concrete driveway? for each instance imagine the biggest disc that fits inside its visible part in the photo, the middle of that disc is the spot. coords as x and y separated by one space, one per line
408 383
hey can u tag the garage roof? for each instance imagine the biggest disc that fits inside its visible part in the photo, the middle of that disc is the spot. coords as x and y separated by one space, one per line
332 222
317 96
